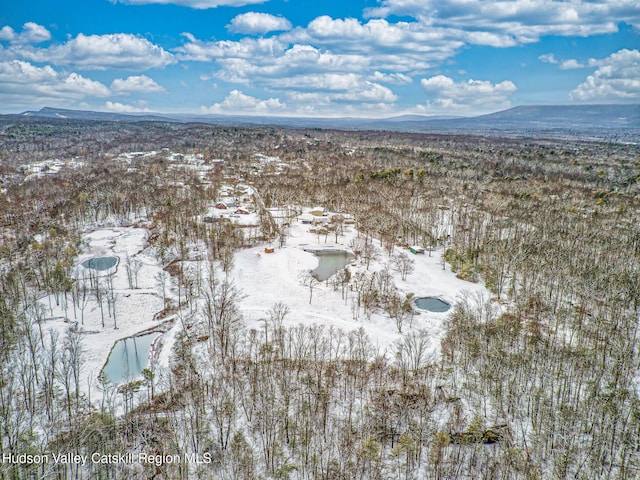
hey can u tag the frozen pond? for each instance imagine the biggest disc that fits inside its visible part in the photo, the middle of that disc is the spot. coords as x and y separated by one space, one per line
129 357
100 263
330 263
432 304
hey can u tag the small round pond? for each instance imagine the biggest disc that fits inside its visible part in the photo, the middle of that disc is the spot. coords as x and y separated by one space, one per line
100 263
128 357
330 263
432 304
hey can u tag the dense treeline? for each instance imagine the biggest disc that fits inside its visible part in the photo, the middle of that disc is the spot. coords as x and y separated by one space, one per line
540 381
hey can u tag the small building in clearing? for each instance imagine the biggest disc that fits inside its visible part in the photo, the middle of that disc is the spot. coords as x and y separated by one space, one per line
415 249
317 211
306 218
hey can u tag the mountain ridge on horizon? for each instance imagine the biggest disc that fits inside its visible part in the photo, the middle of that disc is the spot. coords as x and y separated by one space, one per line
595 122
48 111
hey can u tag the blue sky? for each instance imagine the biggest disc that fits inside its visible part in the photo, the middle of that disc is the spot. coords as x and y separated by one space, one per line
370 58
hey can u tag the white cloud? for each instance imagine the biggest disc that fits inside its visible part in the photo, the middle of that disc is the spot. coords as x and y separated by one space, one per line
136 84
31 33
268 61
327 104
124 108
249 48
238 102
23 83
198 4
378 37
616 79
75 84
523 21
548 58
298 60
392 78
101 52
327 45
302 72
446 95
338 87
7 33
368 92
404 47
328 94
304 69
571 64
258 23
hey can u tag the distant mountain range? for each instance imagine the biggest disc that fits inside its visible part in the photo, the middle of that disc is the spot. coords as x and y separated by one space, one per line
620 123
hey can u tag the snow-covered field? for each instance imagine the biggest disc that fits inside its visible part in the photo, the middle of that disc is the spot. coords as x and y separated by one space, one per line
267 278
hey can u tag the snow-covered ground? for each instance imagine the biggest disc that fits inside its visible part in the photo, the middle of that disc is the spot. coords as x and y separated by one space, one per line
263 279
235 205
138 298
47 167
267 278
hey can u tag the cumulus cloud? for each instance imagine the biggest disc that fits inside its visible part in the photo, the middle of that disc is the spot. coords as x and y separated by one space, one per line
327 94
31 33
327 104
258 23
248 48
523 21
198 4
238 102
339 87
300 71
548 58
326 45
617 78
24 82
124 108
379 37
136 84
268 60
392 78
300 60
7 33
100 52
569 64
304 69
447 95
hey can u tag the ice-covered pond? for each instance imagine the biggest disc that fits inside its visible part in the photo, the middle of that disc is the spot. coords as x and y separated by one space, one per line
128 357
432 304
100 263
330 263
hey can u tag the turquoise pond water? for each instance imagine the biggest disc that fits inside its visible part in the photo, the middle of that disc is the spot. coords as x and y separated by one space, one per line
330 263
128 357
100 263
432 304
